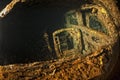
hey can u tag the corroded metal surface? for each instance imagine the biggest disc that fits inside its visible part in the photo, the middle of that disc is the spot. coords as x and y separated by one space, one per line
91 31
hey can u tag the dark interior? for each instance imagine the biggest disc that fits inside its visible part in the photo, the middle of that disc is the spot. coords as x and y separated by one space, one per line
22 30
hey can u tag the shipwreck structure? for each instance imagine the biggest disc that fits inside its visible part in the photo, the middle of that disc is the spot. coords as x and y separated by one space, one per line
85 29
51 31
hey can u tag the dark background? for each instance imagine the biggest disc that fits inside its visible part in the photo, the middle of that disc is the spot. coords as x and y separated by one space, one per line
22 30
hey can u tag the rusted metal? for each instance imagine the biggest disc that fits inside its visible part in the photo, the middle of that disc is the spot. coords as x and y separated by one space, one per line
88 43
